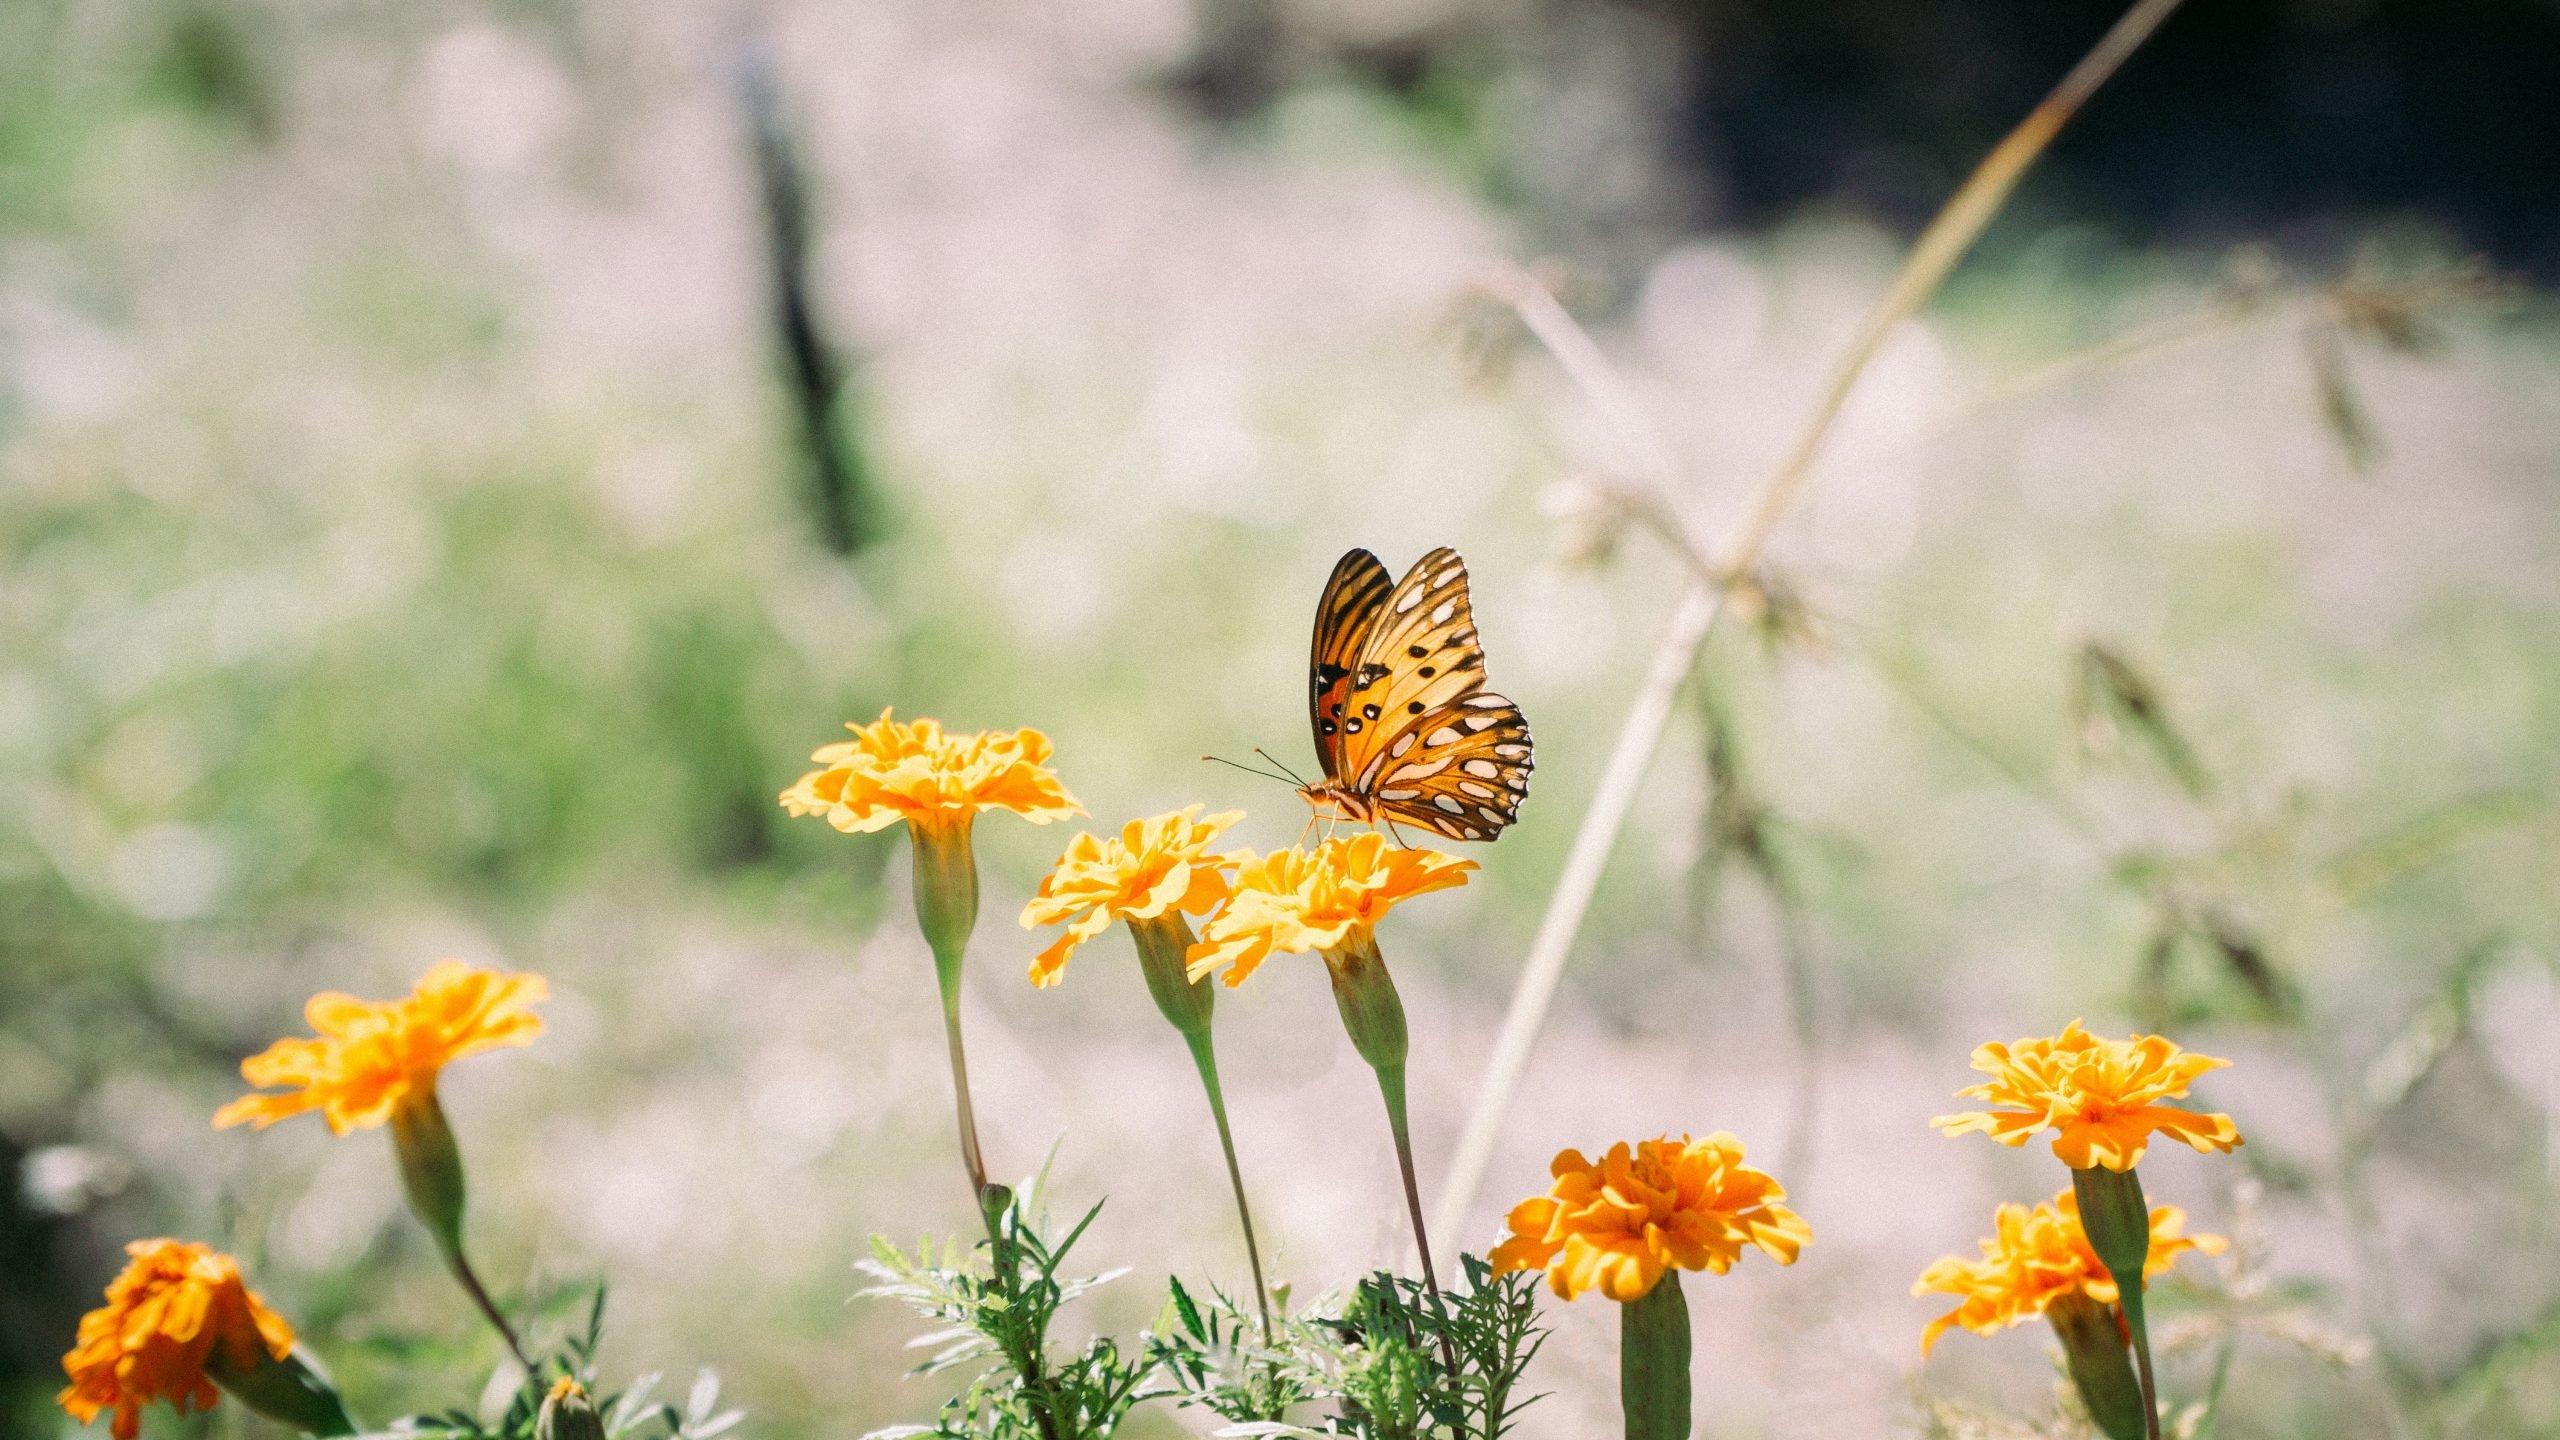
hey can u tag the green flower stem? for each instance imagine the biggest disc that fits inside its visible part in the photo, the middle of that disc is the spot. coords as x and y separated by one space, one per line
2093 1346
294 1391
1373 1014
946 888
1204 1056
1653 1362
431 1172
1164 945
2118 1224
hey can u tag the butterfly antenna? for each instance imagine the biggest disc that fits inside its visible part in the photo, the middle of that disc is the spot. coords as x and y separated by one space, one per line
1249 770
1283 769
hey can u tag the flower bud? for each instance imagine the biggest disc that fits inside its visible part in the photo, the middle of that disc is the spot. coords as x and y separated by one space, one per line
2118 1224
946 885
1372 1012
1163 942
567 1414
430 1167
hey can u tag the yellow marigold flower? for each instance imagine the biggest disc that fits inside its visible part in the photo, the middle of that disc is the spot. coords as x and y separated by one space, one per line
1616 1226
1295 900
1156 867
2099 1097
925 775
176 1308
372 1056
2036 1256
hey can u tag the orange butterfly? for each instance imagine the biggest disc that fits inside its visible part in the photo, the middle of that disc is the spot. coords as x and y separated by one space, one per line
1395 688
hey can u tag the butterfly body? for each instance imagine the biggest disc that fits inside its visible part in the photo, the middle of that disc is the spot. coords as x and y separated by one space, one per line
1404 726
1332 801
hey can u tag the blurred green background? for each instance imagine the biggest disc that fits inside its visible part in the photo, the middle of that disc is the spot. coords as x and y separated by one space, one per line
456 459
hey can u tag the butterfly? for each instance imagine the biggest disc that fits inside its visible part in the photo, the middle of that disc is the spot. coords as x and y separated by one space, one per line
1404 725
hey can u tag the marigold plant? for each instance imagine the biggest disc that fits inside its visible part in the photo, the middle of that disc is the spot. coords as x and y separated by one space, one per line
937 782
1618 1224
370 1057
375 1062
1157 874
2101 1098
2035 1256
176 1309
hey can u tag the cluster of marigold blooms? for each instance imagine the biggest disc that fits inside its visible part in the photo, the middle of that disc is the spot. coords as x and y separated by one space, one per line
180 1321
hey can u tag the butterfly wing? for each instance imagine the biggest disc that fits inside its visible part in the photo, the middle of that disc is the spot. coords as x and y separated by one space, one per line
1353 597
1421 736
1466 774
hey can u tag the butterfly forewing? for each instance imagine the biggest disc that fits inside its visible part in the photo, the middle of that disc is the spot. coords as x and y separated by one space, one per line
1353 597
1417 733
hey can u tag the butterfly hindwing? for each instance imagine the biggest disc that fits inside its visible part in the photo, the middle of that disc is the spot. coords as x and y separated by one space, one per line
1462 776
1353 597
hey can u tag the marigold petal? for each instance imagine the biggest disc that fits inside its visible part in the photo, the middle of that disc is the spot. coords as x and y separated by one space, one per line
2212 1134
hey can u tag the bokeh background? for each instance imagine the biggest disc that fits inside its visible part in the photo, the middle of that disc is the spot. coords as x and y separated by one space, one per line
457 458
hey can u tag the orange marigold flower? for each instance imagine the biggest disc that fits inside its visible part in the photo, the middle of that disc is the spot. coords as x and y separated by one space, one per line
2036 1256
1295 900
923 774
372 1056
1618 1225
1156 867
2099 1097
176 1308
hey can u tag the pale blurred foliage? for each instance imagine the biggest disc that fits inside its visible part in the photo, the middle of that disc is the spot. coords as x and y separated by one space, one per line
403 559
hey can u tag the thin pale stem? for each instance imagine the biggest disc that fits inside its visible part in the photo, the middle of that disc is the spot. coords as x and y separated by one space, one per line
1940 246
971 1157
460 1265
1204 1055
1583 362
1391 1086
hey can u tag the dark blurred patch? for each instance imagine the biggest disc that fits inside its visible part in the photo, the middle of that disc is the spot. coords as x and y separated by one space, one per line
211 62
2291 116
2303 121
37 1307
815 375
